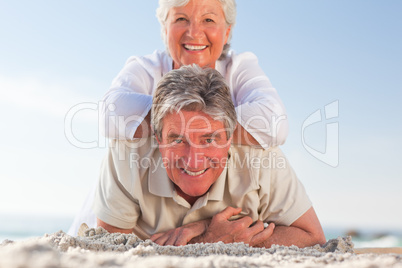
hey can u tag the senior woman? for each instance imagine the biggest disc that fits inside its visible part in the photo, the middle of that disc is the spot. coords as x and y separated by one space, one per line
195 32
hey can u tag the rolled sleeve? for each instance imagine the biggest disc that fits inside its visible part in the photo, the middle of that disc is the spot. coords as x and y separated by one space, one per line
285 200
113 205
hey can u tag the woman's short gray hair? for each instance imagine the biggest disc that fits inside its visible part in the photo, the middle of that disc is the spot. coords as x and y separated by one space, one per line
192 88
228 6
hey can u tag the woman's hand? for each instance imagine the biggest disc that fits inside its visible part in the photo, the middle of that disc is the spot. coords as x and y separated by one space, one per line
144 129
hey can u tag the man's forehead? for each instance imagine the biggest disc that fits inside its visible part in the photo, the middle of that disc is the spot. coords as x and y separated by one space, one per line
192 122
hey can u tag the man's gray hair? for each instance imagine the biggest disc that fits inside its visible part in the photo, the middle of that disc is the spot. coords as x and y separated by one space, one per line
192 88
228 6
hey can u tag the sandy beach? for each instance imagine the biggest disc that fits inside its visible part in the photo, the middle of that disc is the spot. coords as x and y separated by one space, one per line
98 248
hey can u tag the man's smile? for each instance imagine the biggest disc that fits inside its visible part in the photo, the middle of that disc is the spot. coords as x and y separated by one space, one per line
194 173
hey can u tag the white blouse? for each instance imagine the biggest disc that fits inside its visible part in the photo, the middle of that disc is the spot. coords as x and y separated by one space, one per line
259 109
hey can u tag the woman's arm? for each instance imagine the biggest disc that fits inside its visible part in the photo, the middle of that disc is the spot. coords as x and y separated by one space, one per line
129 100
261 115
241 136
259 108
144 129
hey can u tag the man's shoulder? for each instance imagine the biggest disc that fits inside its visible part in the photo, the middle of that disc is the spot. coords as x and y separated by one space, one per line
133 150
256 162
248 153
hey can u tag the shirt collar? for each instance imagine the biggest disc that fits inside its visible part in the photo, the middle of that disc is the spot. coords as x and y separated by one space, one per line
158 181
217 189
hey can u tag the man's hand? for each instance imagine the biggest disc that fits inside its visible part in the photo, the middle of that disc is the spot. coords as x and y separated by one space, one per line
182 235
220 228
240 230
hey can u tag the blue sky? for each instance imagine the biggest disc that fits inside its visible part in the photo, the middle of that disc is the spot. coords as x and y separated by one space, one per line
55 55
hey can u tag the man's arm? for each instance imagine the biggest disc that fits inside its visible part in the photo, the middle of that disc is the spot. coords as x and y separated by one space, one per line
182 235
112 229
219 228
304 232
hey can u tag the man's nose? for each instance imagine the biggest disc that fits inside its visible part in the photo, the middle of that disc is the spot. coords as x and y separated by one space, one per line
194 158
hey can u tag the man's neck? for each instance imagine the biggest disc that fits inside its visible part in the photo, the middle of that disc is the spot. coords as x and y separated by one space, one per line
190 199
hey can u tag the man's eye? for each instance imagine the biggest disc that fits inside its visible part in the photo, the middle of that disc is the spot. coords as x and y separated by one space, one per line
178 141
209 140
209 20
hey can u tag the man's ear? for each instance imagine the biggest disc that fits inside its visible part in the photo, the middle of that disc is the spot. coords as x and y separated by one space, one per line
155 134
231 137
157 138
235 129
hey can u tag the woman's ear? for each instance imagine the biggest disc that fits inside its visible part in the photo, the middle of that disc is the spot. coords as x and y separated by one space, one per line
227 33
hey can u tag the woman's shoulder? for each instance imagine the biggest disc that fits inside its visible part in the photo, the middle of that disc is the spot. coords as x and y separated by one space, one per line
234 56
159 60
234 60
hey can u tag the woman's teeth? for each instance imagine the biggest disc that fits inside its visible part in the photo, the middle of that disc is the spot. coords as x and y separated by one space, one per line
194 48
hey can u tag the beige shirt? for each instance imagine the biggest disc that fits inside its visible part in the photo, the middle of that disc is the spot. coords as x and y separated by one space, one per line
134 190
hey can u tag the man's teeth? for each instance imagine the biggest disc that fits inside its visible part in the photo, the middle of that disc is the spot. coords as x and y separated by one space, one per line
195 173
194 48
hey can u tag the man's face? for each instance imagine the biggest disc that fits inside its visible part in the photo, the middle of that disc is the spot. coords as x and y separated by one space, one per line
194 150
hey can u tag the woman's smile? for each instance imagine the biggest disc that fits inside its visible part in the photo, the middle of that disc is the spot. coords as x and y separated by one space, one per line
194 47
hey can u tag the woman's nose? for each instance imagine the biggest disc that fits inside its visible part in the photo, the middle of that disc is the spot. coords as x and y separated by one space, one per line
195 30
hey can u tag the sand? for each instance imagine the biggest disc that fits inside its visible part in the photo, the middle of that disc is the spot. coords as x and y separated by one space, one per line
98 248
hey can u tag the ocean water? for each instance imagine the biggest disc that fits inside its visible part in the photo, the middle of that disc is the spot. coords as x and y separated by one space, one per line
368 238
21 227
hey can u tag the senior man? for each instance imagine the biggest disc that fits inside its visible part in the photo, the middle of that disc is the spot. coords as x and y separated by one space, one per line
188 184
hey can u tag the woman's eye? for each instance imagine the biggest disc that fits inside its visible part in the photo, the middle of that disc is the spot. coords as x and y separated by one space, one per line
181 19
209 20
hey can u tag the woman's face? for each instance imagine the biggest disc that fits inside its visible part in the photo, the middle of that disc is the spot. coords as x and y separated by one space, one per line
196 33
